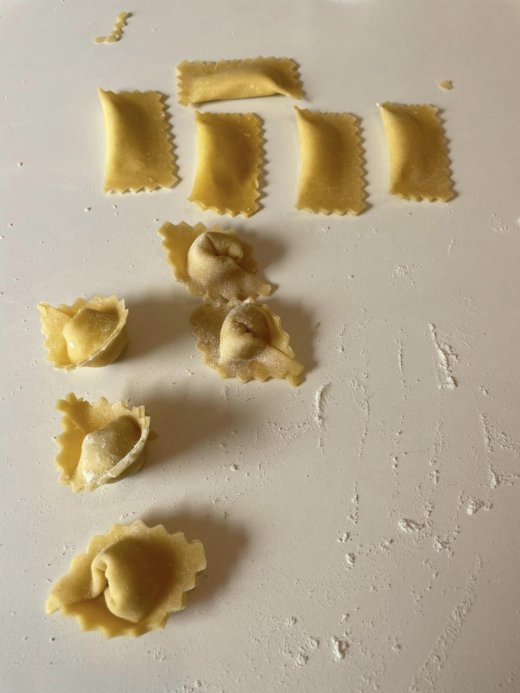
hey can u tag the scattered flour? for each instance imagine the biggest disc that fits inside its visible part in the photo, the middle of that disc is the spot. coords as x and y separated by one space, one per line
445 357
320 399
410 526
339 648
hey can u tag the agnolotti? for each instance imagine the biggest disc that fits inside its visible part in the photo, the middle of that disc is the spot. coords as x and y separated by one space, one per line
245 340
139 148
86 334
212 262
101 442
331 178
419 165
129 580
198 82
228 168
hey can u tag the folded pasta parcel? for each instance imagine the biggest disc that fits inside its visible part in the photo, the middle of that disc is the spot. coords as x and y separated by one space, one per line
212 262
101 442
129 580
245 340
419 164
236 79
139 148
88 333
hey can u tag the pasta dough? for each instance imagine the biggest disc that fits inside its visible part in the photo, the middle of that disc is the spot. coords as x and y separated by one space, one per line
139 149
419 165
88 333
331 179
245 341
228 163
236 79
116 32
129 580
101 442
212 262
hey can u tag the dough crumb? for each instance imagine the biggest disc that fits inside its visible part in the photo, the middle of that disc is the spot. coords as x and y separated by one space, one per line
446 84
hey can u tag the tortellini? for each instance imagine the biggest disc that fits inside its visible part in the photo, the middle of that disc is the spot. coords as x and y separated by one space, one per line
245 340
88 333
212 262
101 442
129 580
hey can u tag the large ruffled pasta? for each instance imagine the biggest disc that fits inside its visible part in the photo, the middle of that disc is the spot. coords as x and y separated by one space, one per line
101 442
245 340
419 165
228 167
139 148
89 333
236 79
129 580
212 262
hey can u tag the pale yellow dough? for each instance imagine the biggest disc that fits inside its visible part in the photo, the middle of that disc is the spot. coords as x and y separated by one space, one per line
212 262
139 148
88 333
129 580
245 340
198 82
229 156
331 178
116 32
446 84
101 442
419 165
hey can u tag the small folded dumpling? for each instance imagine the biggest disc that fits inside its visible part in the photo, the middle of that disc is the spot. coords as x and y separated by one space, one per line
88 333
237 79
129 580
101 442
212 262
245 340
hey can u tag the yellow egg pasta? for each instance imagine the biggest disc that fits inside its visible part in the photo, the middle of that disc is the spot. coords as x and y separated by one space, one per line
129 580
198 82
331 178
419 164
139 148
229 158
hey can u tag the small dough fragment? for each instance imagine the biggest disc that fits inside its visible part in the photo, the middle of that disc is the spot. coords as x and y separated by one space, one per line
198 82
331 178
101 442
89 333
129 580
245 340
446 84
212 262
419 165
139 147
116 32
229 158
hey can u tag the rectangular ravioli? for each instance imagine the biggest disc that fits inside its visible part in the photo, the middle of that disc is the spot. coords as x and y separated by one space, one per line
139 149
331 178
419 164
198 82
228 168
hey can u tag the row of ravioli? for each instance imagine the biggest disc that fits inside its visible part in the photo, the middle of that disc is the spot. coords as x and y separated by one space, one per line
139 147
131 579
332 177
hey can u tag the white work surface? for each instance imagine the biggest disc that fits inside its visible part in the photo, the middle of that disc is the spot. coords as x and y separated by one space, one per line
368 538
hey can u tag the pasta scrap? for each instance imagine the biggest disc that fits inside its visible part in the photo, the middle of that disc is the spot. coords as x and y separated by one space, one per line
212 262
331 179
198 82
101 443
139 148
89 333
245 340
228 169
419 165
116 32
129 580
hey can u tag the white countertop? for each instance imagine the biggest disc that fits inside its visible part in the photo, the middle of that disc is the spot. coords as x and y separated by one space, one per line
312 538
